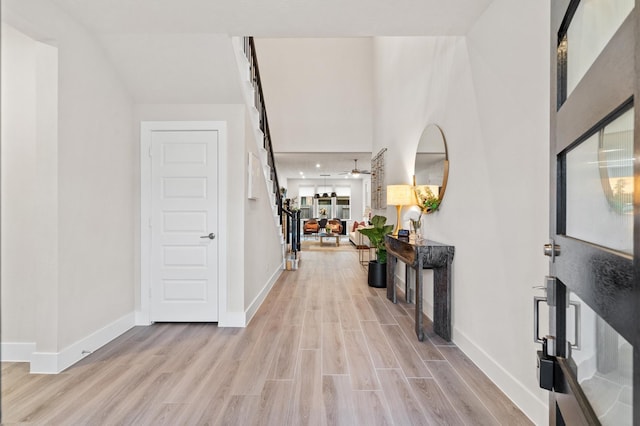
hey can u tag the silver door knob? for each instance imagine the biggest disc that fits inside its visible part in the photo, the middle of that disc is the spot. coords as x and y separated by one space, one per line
211 236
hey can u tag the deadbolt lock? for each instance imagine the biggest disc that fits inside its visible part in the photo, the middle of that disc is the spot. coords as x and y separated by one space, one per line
552 250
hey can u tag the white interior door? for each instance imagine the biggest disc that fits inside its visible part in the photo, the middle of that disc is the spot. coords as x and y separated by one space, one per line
184 247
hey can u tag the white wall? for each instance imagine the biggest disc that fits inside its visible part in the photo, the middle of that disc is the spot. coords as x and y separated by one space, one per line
488 92
19 163
319 93
84 159
263 252
96 149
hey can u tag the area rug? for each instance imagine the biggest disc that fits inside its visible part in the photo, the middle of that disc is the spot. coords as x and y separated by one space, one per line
327 245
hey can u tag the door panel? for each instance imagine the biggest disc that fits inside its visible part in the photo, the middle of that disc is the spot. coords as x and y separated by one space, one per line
184 271
594 138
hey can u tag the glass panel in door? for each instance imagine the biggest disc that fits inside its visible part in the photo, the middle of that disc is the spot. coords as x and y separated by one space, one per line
602 362
599 186
592 26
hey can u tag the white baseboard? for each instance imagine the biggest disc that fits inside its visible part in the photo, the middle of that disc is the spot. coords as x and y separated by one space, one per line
520 395
142 319
17 352
232 319
257 302
53 363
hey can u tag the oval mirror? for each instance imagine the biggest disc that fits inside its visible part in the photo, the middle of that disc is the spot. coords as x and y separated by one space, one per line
431 168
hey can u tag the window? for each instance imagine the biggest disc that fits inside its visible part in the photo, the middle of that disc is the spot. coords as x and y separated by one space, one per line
343 203
324 207
306 201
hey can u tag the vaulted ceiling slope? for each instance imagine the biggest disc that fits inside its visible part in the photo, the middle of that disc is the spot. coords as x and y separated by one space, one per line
170 51
278 18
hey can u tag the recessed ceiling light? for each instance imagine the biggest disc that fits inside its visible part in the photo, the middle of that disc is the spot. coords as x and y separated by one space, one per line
301 173
317 166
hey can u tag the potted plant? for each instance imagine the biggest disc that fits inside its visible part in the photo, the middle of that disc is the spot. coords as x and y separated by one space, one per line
378 268
427 200
428 203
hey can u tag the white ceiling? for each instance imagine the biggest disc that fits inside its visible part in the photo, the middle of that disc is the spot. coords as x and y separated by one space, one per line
336 165
170 51
278 18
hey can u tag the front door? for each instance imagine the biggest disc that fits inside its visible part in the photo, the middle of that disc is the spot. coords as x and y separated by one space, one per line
183 220
592 292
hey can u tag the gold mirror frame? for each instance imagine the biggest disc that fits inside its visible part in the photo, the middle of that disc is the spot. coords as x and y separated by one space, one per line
431 165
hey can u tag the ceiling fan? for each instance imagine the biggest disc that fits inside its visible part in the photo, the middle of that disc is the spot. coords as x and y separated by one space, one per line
355 172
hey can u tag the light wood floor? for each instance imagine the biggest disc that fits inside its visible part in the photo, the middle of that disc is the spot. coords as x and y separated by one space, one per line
324 349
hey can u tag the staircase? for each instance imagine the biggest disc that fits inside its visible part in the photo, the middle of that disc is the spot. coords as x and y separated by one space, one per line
288 223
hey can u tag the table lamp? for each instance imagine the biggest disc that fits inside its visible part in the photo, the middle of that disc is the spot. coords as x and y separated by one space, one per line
399 195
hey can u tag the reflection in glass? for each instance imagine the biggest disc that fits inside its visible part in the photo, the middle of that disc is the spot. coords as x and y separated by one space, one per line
430 168
592 26
599 187
430 157
615 156
603 365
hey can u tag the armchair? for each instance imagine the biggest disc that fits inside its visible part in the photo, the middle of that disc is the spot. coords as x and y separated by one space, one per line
335 226
311 227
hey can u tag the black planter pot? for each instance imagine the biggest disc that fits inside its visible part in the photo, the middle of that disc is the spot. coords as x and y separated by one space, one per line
377 274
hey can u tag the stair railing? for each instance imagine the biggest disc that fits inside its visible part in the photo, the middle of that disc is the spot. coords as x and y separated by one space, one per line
292 229
250 52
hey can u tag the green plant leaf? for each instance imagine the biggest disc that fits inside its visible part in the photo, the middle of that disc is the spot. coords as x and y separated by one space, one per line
376 236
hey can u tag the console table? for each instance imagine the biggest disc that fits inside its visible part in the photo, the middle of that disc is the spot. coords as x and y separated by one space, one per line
418 256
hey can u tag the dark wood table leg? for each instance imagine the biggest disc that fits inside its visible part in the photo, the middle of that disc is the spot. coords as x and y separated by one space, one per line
418 300
442 301
391 285
406 284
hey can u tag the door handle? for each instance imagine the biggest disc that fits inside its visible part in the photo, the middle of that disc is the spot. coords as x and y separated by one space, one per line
211 236
577 328
536 318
